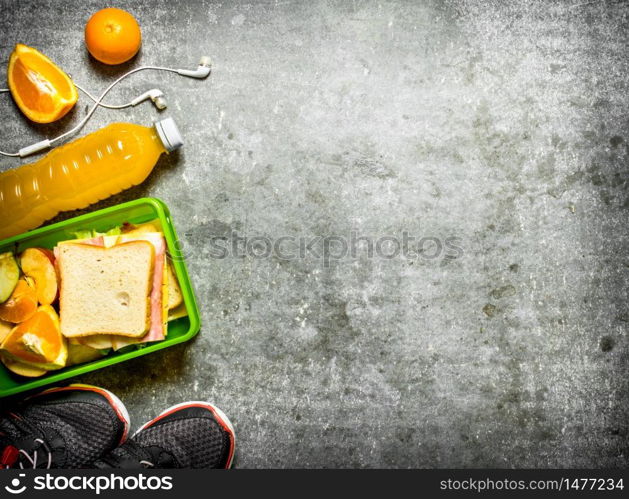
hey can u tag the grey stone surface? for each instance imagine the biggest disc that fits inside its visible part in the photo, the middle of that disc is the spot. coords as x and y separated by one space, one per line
502 124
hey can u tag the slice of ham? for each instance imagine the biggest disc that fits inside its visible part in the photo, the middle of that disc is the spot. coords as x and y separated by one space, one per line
156 330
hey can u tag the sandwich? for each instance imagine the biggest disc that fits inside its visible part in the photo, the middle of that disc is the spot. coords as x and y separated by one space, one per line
92 294
106 290
117 289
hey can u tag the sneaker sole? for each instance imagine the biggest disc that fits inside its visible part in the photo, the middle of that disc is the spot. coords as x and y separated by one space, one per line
114 401
220 416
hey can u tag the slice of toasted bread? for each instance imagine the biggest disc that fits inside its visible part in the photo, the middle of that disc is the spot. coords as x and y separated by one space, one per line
177 312
174 291
105 290
175 297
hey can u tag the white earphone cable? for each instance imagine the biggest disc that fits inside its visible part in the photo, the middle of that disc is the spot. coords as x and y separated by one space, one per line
102 104
102 96
91 96
98 102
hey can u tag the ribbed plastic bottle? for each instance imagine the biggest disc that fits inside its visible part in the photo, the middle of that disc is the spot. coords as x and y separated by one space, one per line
82 172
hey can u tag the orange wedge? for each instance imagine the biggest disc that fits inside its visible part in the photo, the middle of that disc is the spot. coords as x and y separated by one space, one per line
21 305
37 341
42 91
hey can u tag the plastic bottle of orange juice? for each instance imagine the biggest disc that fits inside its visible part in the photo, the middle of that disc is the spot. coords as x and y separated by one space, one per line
82 172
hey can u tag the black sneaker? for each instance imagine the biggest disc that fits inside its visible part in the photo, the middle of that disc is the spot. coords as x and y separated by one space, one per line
188 435
67 427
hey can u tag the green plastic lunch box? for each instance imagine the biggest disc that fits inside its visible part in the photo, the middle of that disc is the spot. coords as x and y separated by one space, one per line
135 212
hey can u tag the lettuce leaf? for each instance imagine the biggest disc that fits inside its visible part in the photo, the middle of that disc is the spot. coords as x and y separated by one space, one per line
116 231
90 233
82 234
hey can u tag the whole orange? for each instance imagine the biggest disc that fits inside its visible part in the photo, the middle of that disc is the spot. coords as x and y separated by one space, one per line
112 36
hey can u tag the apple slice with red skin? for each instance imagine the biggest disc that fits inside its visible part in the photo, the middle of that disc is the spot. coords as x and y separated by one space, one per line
22 304
9 275
39 265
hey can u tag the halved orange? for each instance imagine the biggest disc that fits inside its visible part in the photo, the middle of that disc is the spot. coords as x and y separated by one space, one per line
42 91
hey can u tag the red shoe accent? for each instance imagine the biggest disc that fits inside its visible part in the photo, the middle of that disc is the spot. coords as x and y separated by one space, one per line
9 457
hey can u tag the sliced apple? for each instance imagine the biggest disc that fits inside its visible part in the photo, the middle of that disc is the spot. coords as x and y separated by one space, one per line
97 341
39 265
9 275
79 354
22 369
5 329
22 304
38 341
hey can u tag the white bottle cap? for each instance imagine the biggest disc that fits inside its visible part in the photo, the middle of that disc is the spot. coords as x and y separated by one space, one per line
169 134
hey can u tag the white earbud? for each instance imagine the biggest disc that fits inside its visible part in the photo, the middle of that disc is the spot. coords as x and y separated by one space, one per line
156 96
202 71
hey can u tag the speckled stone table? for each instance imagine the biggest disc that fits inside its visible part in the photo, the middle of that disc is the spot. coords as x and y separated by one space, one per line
493 134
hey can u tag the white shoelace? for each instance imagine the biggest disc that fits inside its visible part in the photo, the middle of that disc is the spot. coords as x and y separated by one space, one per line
33 460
